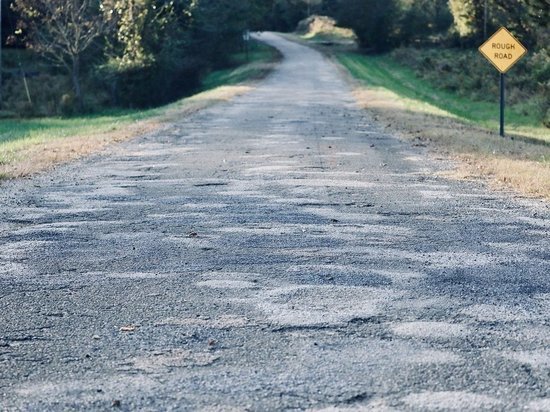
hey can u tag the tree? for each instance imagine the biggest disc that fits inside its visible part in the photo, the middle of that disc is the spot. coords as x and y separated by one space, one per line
528 19
125 41
62 31
467 15
148 60
539 11
124 48
372 20
421 19
285 14
312 5
218 26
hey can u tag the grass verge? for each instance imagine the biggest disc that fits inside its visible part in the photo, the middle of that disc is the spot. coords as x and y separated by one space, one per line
28 146
454 126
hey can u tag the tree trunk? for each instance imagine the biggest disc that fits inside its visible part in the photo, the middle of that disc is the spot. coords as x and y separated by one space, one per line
75 75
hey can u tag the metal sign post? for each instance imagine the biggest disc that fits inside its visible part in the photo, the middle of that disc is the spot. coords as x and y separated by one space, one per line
246 38
503 50
502 102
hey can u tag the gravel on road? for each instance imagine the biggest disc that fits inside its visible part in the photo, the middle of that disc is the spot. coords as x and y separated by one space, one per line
279 251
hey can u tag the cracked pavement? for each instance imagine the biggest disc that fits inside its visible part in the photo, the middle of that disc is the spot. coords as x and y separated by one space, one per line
280 251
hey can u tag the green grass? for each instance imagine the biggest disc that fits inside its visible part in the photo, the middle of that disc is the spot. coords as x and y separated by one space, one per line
18 133
384 72
248 67
14 130
331 37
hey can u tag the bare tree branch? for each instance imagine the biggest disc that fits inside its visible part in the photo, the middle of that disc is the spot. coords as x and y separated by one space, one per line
62 31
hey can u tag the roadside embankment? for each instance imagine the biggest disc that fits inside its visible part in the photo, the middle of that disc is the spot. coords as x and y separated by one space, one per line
422 109
453 126
28 146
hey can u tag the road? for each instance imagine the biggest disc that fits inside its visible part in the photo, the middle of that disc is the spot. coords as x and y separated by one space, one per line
278 251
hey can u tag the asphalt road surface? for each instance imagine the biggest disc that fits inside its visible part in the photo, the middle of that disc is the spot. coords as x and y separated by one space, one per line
279 251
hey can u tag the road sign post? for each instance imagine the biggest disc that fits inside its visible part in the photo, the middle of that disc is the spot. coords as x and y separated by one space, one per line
502 103
503 50
246 38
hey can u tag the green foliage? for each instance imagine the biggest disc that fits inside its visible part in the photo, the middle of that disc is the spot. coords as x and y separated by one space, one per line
125 47
247 66
323 29
149 60
422 21
468 74
218 26
17 133
383 25
150 52
141 53
460 82
63 31
466 16
372 20
527 19
284 15
385 71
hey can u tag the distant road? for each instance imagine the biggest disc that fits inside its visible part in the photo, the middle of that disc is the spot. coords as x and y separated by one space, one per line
279 251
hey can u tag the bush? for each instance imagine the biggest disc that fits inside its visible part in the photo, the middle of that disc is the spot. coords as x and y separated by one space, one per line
67 104
372 21
44 90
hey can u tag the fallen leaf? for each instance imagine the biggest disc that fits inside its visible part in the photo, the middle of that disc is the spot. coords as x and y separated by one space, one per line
129 328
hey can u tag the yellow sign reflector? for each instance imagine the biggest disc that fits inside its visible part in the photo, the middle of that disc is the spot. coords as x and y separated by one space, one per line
503 50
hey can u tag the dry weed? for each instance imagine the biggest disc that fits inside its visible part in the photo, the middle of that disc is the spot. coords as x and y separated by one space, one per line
504 162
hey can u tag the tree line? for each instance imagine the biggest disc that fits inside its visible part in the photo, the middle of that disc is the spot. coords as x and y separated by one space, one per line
385 24
145 52
148 52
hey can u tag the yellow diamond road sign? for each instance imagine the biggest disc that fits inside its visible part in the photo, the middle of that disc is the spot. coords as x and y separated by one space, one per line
503 50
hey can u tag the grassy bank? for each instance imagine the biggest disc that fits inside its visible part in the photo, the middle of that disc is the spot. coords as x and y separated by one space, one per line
249 66
447 100
454 125
385 72
467 74
31 145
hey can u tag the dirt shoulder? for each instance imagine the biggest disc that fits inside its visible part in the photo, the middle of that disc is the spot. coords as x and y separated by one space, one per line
479 154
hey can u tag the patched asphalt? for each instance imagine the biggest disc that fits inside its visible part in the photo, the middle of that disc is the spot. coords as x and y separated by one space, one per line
277 252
